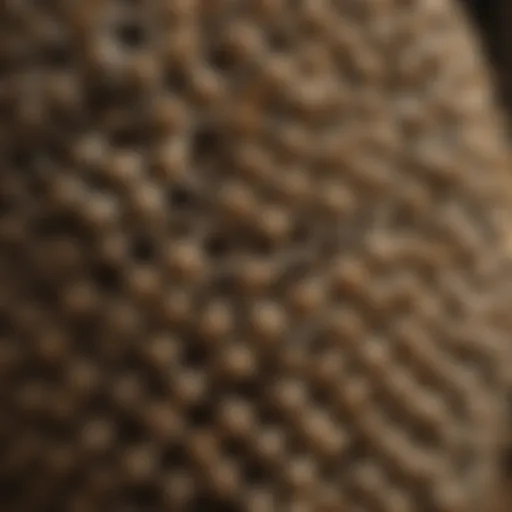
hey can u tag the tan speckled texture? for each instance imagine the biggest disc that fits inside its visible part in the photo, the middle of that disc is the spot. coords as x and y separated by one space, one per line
253 257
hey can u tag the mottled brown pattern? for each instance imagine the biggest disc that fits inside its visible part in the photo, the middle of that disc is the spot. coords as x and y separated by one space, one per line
253 257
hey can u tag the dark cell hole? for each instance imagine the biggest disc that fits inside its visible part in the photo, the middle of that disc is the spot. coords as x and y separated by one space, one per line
43 291
320 395
55 430
22 159
279 41
143 248
156 384
12 489
125 138
107 277
248 389
141 498
234 449
173 457
194 354
59 56
55 507
132 35
255 473
206 142
98 403
55 225
102 96
201 415
130 430
176 80
180 197
107 94
301 232
222 59
217 246
260 245
211 504
225 284
85 341
55 147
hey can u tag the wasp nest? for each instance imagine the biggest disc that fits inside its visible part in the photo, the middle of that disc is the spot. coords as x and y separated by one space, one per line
250 250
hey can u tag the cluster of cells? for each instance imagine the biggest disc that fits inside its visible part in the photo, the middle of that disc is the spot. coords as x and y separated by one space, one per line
249 254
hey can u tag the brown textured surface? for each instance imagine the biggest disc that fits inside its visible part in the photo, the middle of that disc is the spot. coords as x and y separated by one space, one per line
250 251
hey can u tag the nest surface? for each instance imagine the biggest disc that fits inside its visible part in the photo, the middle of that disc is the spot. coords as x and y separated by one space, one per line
251 255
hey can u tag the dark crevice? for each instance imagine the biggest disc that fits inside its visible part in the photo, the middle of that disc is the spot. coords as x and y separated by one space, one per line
201 415
222 59
212 504
132 35
55 226
173 457
143 249
59 56
141 498
490 18
217 246
176 80
206 142
107 277
180 197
